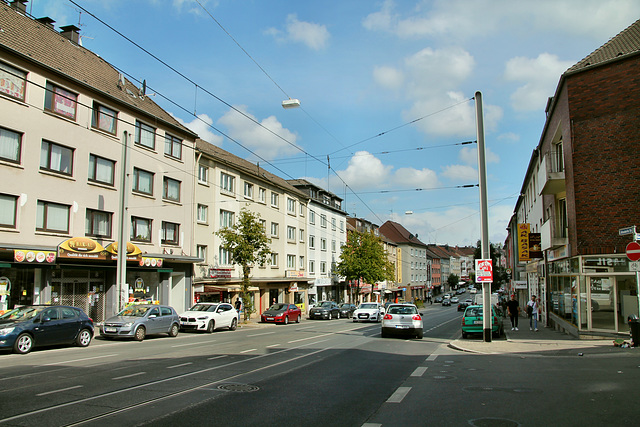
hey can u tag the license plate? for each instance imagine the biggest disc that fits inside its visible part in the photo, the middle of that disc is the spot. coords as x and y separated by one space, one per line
402 326
477 322
107 329
269 318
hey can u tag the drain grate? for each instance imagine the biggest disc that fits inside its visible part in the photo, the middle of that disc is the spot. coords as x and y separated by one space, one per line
238 388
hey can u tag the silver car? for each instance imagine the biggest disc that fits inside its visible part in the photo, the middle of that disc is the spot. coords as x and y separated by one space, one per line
402 319
138 321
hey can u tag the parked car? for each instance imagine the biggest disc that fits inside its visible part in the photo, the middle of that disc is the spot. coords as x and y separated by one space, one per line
325 310
402 319
281 313
369 312
29 326
438 300
209 316
455 300
446 301
138 321
346 310
473 291
472 321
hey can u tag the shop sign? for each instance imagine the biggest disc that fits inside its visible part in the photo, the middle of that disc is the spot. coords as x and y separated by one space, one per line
520 284
523 242
133 252
5 286
535 245
149 262
22 255
293 287
294 273
559 253
324 281
220 273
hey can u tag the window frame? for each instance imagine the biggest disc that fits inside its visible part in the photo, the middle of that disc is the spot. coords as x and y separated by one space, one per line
262 195
56 97
291 233
227 183
134 228
291 206
173 144
203 174
275 200
64 149
248 190
90 215
291 261
166 181
224 256
312 241
136 181
140 127
45 217
18 148
227 218
4 210
93 171
100 115
163 233
202 208
10 75
275 229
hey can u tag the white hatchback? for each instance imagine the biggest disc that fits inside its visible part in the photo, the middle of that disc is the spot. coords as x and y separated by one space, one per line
402 319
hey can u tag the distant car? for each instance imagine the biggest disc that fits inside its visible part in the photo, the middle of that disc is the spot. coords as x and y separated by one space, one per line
209 316
29 326
325 310
460 291
463 305
282 313
369 312
138 321
472 321
455 300
446 302
438 299
346 309
402 319
473 291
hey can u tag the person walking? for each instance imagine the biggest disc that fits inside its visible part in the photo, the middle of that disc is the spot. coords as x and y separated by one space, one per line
532 311
238 304
513 307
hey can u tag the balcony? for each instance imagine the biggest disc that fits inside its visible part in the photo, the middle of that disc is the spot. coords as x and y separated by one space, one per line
547 238
551 176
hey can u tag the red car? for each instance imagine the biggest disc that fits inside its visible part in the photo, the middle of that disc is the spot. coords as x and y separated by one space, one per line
282 313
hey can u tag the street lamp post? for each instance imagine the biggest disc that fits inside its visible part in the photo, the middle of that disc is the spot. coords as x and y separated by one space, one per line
121 268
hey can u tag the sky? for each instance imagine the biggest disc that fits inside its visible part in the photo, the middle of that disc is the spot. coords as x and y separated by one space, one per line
386 90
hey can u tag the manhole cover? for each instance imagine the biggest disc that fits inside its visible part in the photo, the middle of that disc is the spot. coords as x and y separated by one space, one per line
238 388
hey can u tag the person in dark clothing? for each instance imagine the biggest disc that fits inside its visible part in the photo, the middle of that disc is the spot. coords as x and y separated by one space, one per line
513 307
238 305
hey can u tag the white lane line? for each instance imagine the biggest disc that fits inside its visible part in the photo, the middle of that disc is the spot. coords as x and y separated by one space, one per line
457 319
371 425
419 371
307 327
59 390
182 364
248 351
432 357
129 376
192 343
398 395
216 357
264 333
273 345
79 360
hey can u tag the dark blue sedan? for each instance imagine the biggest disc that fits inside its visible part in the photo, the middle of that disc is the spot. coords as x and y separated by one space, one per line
24 328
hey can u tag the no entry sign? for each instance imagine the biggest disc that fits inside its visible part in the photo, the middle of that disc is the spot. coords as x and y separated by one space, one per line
633 251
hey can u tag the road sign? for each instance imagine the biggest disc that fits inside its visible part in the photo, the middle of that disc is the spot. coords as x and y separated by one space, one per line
484 270
634 266
627 230
633 251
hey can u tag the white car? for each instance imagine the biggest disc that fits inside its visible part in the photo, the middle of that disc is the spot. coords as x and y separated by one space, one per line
473 291
209 316
402 319
368 312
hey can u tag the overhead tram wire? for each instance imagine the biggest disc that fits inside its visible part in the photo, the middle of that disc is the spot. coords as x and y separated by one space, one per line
419 189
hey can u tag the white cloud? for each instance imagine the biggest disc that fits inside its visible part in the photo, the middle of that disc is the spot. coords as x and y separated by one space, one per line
314 36
365 171
388 77
469 155
418 178
509 137
540 76
201 126
461 173
432 71
259 140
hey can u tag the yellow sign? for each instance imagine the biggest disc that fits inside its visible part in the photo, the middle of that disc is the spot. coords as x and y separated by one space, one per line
523 242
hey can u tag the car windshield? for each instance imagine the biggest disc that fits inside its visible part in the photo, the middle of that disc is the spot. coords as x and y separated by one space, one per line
22 313
368 306
402 310
326 304
278 307
345 305
134 311
204 307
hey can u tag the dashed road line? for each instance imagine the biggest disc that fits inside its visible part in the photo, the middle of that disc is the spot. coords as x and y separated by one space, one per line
398 395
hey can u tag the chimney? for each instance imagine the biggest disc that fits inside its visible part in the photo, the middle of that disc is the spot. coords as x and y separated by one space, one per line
20 5
46 21
71 32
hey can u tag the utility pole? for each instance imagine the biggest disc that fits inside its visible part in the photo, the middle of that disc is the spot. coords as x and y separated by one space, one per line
122 225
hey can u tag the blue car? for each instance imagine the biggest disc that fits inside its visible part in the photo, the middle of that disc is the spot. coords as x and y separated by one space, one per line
24 328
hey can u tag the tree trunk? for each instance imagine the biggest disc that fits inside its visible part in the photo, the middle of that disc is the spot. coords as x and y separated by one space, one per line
246 296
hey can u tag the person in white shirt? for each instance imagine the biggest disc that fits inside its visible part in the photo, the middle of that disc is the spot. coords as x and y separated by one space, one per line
532 310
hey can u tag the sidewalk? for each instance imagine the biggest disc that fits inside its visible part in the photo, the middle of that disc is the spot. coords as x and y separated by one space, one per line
545 342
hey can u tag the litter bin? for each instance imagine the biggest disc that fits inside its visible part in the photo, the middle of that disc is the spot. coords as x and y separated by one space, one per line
634 329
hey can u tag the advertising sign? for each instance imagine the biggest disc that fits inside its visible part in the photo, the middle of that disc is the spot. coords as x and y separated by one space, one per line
484 270
535 245
523 242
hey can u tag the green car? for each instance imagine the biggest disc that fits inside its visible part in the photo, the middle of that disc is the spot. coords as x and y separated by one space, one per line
472 321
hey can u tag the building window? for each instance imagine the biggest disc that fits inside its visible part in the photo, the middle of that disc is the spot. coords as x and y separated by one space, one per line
104 118
170 233
559 157
274 229
227 219
13 82
140 229
142 181
301 209
333 246
203 213
291 233
563 224
312 217
301 235
341 225
312 267
301 263
101 170
56 158
203 174
201 251
323 221
291 206
263 224
171 189
10 143
225 256
145 135
291 262
323 244
312 242
274 199
52 217
323 267
227 183
172 146
60 101
333 223
248 190
262 195
274 260
98 223
8 209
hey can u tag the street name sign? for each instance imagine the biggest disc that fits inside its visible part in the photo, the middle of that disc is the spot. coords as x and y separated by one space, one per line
627 230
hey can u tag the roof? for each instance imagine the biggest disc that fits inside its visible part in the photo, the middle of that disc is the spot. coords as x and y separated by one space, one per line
39 43
397 233
245 166
626 43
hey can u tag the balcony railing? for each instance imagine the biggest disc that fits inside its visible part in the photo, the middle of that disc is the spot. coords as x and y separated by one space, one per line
551 174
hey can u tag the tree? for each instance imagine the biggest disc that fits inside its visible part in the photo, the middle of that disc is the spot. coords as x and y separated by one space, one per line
453 281
363 257
248 245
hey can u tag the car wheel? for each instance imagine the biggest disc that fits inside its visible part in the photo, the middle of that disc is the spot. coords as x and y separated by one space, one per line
298 319
84 338
464 335
211 326
173 332
383 334
329 318
419 334
23 344
286 320
140 333
234 325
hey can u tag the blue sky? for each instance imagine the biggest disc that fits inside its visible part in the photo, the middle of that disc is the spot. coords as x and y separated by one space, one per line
386 89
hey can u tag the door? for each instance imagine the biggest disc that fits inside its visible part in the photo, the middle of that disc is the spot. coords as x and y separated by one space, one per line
154 321
49 330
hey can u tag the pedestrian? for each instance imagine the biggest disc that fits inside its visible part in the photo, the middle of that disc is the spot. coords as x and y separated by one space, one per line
238 305
513 307
532 311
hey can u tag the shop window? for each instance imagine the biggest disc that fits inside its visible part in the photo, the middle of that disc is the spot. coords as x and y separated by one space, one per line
172 146
52 217
171 189
10 145
170 233
142 181
13 82
145 135
60 101
98 223
101 170
104 118
141 229
56 158
8 209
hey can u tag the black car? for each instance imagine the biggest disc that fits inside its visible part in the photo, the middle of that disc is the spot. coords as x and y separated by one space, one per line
437 300
26 327
325 310
346 310
463 305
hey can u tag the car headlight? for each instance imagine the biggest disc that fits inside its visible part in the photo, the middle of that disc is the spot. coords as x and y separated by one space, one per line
127 325
7 331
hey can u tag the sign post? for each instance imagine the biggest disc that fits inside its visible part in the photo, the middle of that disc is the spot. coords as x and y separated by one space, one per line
633 254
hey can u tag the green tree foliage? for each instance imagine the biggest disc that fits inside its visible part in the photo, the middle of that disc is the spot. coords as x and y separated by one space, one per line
453 281
363 258
248 245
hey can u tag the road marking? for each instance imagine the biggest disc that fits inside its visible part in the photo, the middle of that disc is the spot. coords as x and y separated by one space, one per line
371 425
398 395
216 357
306 327
129 376
247 351
273 345
79 360
182 364
193 343
59 390
419 371
432 357
264 333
